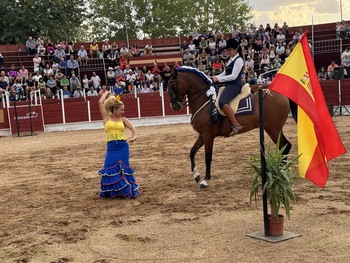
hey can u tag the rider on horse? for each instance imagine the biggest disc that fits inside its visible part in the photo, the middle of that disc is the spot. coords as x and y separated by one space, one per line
232 78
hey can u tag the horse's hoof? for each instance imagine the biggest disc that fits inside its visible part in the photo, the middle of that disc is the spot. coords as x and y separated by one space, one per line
197 179
203 185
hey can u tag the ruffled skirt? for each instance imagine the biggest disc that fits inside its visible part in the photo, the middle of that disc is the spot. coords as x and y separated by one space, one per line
117 177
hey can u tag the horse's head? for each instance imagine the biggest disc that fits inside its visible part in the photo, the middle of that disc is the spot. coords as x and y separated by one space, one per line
176 97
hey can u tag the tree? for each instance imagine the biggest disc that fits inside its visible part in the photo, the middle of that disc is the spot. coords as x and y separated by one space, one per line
54 19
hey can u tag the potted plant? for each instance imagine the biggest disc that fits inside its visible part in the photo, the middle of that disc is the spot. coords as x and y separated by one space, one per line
278 185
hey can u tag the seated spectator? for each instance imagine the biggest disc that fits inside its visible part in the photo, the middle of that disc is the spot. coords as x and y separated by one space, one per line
135 51
92 92
94 49
115 49
123 61
37 76
49 94
66 93
82 56
285 29
48 71
50 48
280 38
149 78
36 63
23 74
30 85
203 45
12 74
330 69
251 76
276 63
148 49
74 83
192 48
1 61
110 77
345 60
72 66
154 86
281 51
217 67
64 84
183 47
52 85
70 48
62 66
264 62
249 63
4 86
40 46
17 86
41 86
59 53
322 73
106 49
118 88
14 96
31 46
211 45
120 78
124 51
130 79
156 72
78 93
103 90
203 57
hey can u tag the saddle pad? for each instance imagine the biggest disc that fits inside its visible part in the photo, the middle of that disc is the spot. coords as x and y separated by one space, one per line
245 92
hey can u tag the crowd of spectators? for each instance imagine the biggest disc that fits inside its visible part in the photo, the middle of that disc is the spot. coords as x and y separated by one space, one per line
56 66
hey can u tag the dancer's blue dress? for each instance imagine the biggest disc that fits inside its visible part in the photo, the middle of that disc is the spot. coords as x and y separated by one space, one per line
117 177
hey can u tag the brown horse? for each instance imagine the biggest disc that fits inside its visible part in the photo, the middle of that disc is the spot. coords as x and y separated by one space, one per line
195 85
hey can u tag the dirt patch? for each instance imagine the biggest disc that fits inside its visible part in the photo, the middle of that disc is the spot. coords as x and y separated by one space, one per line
51 212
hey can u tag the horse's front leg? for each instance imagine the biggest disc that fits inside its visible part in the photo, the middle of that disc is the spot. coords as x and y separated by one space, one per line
208 158
197 145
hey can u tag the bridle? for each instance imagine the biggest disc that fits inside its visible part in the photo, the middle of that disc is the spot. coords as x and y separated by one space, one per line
176 103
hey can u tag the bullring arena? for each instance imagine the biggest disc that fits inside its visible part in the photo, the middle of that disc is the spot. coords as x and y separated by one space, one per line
51 211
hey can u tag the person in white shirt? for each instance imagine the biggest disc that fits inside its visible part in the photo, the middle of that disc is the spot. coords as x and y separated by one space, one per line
96 81
92 92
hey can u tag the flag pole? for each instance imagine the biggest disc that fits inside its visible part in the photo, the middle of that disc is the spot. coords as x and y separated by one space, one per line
263 160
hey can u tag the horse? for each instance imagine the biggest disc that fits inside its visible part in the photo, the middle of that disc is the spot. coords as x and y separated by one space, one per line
194 85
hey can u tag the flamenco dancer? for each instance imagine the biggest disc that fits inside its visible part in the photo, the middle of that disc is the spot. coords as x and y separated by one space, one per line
117 177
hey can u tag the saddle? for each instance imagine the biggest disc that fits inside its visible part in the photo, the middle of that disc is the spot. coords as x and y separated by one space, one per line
245 92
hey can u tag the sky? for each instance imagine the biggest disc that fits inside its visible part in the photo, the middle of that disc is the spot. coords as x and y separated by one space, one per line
299 12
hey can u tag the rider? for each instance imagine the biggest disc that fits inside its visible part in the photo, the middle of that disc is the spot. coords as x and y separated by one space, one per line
232 78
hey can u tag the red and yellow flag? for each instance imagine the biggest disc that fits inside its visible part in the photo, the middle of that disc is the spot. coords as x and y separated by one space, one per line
318 139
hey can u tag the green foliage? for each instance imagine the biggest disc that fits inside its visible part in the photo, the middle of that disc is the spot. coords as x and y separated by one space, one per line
279 180
55 19
115 19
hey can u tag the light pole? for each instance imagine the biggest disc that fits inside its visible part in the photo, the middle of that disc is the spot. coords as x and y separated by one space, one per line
341 10
231 17
126 27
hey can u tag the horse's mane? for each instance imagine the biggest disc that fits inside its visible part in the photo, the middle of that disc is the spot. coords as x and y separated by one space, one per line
200 74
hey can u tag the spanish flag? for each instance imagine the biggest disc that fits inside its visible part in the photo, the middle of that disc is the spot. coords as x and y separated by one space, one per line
318 139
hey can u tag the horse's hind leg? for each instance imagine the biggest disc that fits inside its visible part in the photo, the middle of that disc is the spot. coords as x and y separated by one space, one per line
197 145
283 140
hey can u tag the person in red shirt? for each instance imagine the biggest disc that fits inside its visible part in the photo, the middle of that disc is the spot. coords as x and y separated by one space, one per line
156 72
216 67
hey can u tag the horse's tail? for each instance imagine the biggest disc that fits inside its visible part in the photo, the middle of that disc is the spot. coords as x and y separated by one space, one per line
294 110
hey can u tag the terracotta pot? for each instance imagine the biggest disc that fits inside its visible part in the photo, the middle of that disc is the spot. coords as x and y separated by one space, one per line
276 225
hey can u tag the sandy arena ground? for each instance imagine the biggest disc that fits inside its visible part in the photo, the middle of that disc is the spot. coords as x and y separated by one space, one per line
51 212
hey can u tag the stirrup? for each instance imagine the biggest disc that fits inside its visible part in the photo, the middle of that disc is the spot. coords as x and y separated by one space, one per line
235 129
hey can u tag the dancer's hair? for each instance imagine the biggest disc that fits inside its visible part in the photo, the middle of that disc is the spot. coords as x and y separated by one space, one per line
112 103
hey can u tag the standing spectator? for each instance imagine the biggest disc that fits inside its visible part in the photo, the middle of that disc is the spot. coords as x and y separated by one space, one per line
83 56
345 60
96 81
330 69
72 65
85 82
30 46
